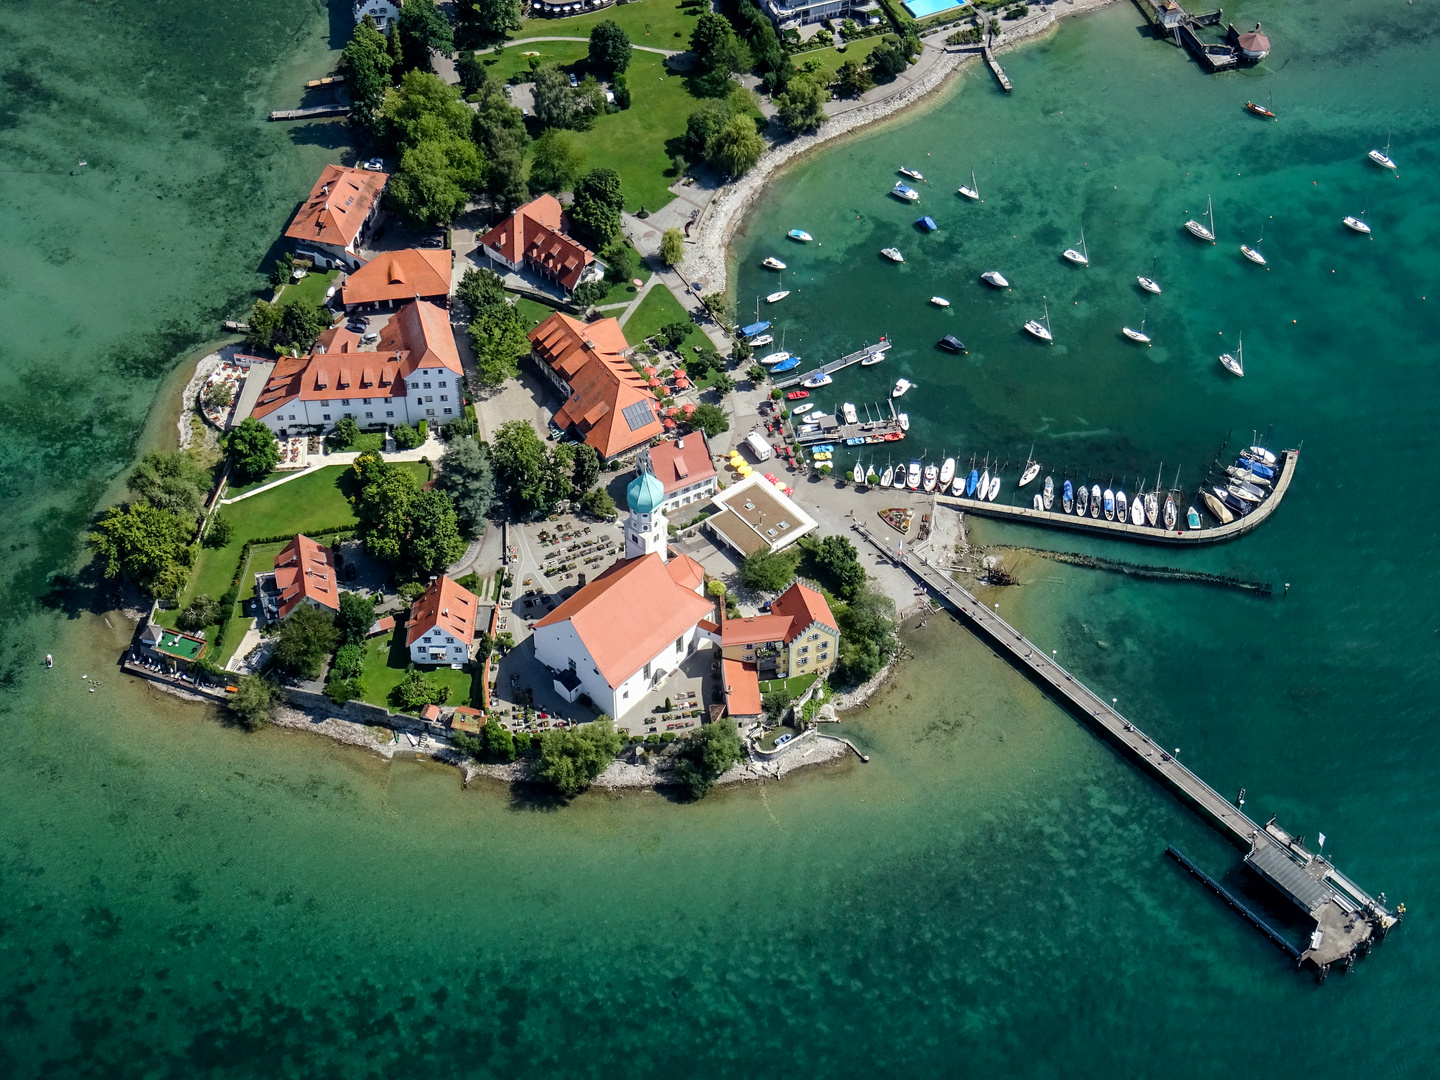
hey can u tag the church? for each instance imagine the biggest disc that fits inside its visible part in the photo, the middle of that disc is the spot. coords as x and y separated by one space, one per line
621 636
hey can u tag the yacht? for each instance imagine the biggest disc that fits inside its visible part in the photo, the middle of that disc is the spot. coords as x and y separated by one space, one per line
1041 330
858 473
901 385
1192 518
973 191
800 235
1382 157
772 263
1358 224
1081 257
1048 495
1149 284
984 485
1122 507
1137 511
1253 254
1067 497
873 359
1235 364
801 410
913 174
904 420
1094 500
774 358
1152 508
994 277
1082 500
1032 469
939 301
848 411
912 475
817 380
763 339
1199 230
932 474
776 297
1137 335
1109 505
947 473
951 343
904 191
888 480
1170 515
893 254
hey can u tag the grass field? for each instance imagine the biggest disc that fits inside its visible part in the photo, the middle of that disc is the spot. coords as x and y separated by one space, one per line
797 685
386 661
532 311
660 308
311 287
831 59
653 23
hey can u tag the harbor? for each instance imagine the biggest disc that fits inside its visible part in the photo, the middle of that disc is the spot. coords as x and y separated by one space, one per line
859 356
1347 919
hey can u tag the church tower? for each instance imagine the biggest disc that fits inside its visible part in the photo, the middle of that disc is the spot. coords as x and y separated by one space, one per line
645 528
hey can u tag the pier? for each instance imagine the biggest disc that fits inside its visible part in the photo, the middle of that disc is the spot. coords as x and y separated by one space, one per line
856 357
884 431
1154 534
1347 919
310 113
1000 76
1173 21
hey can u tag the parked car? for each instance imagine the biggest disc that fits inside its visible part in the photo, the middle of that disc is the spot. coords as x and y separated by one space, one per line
375 164
573 80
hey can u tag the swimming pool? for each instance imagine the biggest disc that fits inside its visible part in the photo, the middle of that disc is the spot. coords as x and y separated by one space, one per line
922 8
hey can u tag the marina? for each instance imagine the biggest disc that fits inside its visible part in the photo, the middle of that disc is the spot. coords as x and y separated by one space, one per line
1347 919
873 353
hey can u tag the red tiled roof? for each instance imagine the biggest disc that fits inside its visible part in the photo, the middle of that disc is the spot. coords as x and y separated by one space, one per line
423 333
603 385
306 571
742 687
805 606
337 207
429 712
534 233
678 463
381 626
686 572
628 614
411 274
446 605
756 629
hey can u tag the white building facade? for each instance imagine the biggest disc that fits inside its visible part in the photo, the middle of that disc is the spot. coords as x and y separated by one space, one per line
384 12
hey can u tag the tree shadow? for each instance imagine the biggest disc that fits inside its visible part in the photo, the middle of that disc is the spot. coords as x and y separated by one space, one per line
536 797
89 592
342 23
331 134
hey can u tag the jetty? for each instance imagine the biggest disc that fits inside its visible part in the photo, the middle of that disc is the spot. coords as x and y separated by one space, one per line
880 348
1174 22
328 80
309 113
1347 919
1154 534
883 430
1000 76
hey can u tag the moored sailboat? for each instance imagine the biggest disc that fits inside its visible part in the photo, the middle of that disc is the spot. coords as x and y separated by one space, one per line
1048 495
947 473
1235 364
1081 257
973 191
1200 231
1041 330
1067 498
1094 500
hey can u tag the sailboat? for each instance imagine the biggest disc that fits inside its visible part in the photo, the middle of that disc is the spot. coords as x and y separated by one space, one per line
1067 498
984 484
947 473
1081 257
1382 158
889 478
1137 511
994 487
763 339
1041 330
1152 501
973 191
1358 224
1170 514
1261 110
1048 495
1094 500
1149 284
1235 364
1122 507
1200 231
858 473
1109 505
1137 335
776 297
1253 253
973 480
1032 468
1082 500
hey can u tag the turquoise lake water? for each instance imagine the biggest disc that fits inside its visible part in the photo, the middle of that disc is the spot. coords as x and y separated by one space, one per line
989 895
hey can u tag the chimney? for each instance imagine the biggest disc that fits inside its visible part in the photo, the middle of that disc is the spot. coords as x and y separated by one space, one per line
679 444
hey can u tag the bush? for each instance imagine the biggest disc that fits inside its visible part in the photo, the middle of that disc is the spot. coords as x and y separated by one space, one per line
220 532
199 613
462 427
307 636
254 701
407 438
411 591
345 433
416 690
770 571
571 759
219 393
598 503
705 756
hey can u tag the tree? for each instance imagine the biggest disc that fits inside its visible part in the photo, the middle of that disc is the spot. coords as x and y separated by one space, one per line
555 102
757 373
769 571
572 758
802 106
264 324
852 80
776 704
598 503
672 247
252 449
424 106
346 432
591 292
301 322
219 533
407 437
307 637
365 63
675 333
586 468
467 476
609 48
737 146
888 60
619 263
702 126
219 393
598 202
709 37
423 31
470 71
432 540
357 615
837 560
534 478
555 164
499 743
254 701
498 336
201 612
705 756
480 290
485 21
436 178
416 690
710 419
172 482
343 682
723 383
382 504
280 274
867 636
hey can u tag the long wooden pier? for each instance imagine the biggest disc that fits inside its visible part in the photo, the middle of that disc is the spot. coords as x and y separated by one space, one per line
1347 918
859 355
1124 530
306 114
1000 76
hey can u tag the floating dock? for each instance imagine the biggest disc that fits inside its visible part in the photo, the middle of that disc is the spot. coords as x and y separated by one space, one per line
310 113
1156 534
880 348
1000 76
1347 919
328 80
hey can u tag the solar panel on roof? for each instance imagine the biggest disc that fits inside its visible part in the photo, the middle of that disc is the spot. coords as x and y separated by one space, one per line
637 415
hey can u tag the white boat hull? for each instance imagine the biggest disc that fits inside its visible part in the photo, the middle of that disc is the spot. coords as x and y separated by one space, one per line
1380 159
1135 335
776 297
994 489
1200 231
939 301
1356 225
1252 254
1149 285
1075 257
970 193
995 278
1039 330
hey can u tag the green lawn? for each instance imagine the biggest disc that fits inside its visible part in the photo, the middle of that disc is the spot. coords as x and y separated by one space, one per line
386 661
831 59
652 23
532 311
367 442
660 308
564 53
797 686
232 490
311 287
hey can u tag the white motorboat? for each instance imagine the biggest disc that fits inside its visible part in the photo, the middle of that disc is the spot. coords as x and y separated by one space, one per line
1081 257
947 472
776 297
893 254
771 359
1235 364
772 263
899 478
904 420
913 174
1082 501
1122 508
1217 508
912 475
973 191
1253 254
800 235
1149 284
801 410
1039 502
858 473
1041 330
939 301
994 489
1199 230
1109 498
817 380
901 385
763 339
1094 500
904 191
995 278
1137 335
848 411
1171 516
1382 157
1152 507
1358 225
888 479
932 474
1049 493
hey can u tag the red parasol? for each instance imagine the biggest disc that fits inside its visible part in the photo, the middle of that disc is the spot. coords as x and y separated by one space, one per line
669 423
656 383
689 408
650 372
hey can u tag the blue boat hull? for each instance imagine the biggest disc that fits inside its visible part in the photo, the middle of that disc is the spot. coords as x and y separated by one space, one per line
971 483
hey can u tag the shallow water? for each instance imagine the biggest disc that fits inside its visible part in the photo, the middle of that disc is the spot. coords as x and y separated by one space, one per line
989 894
